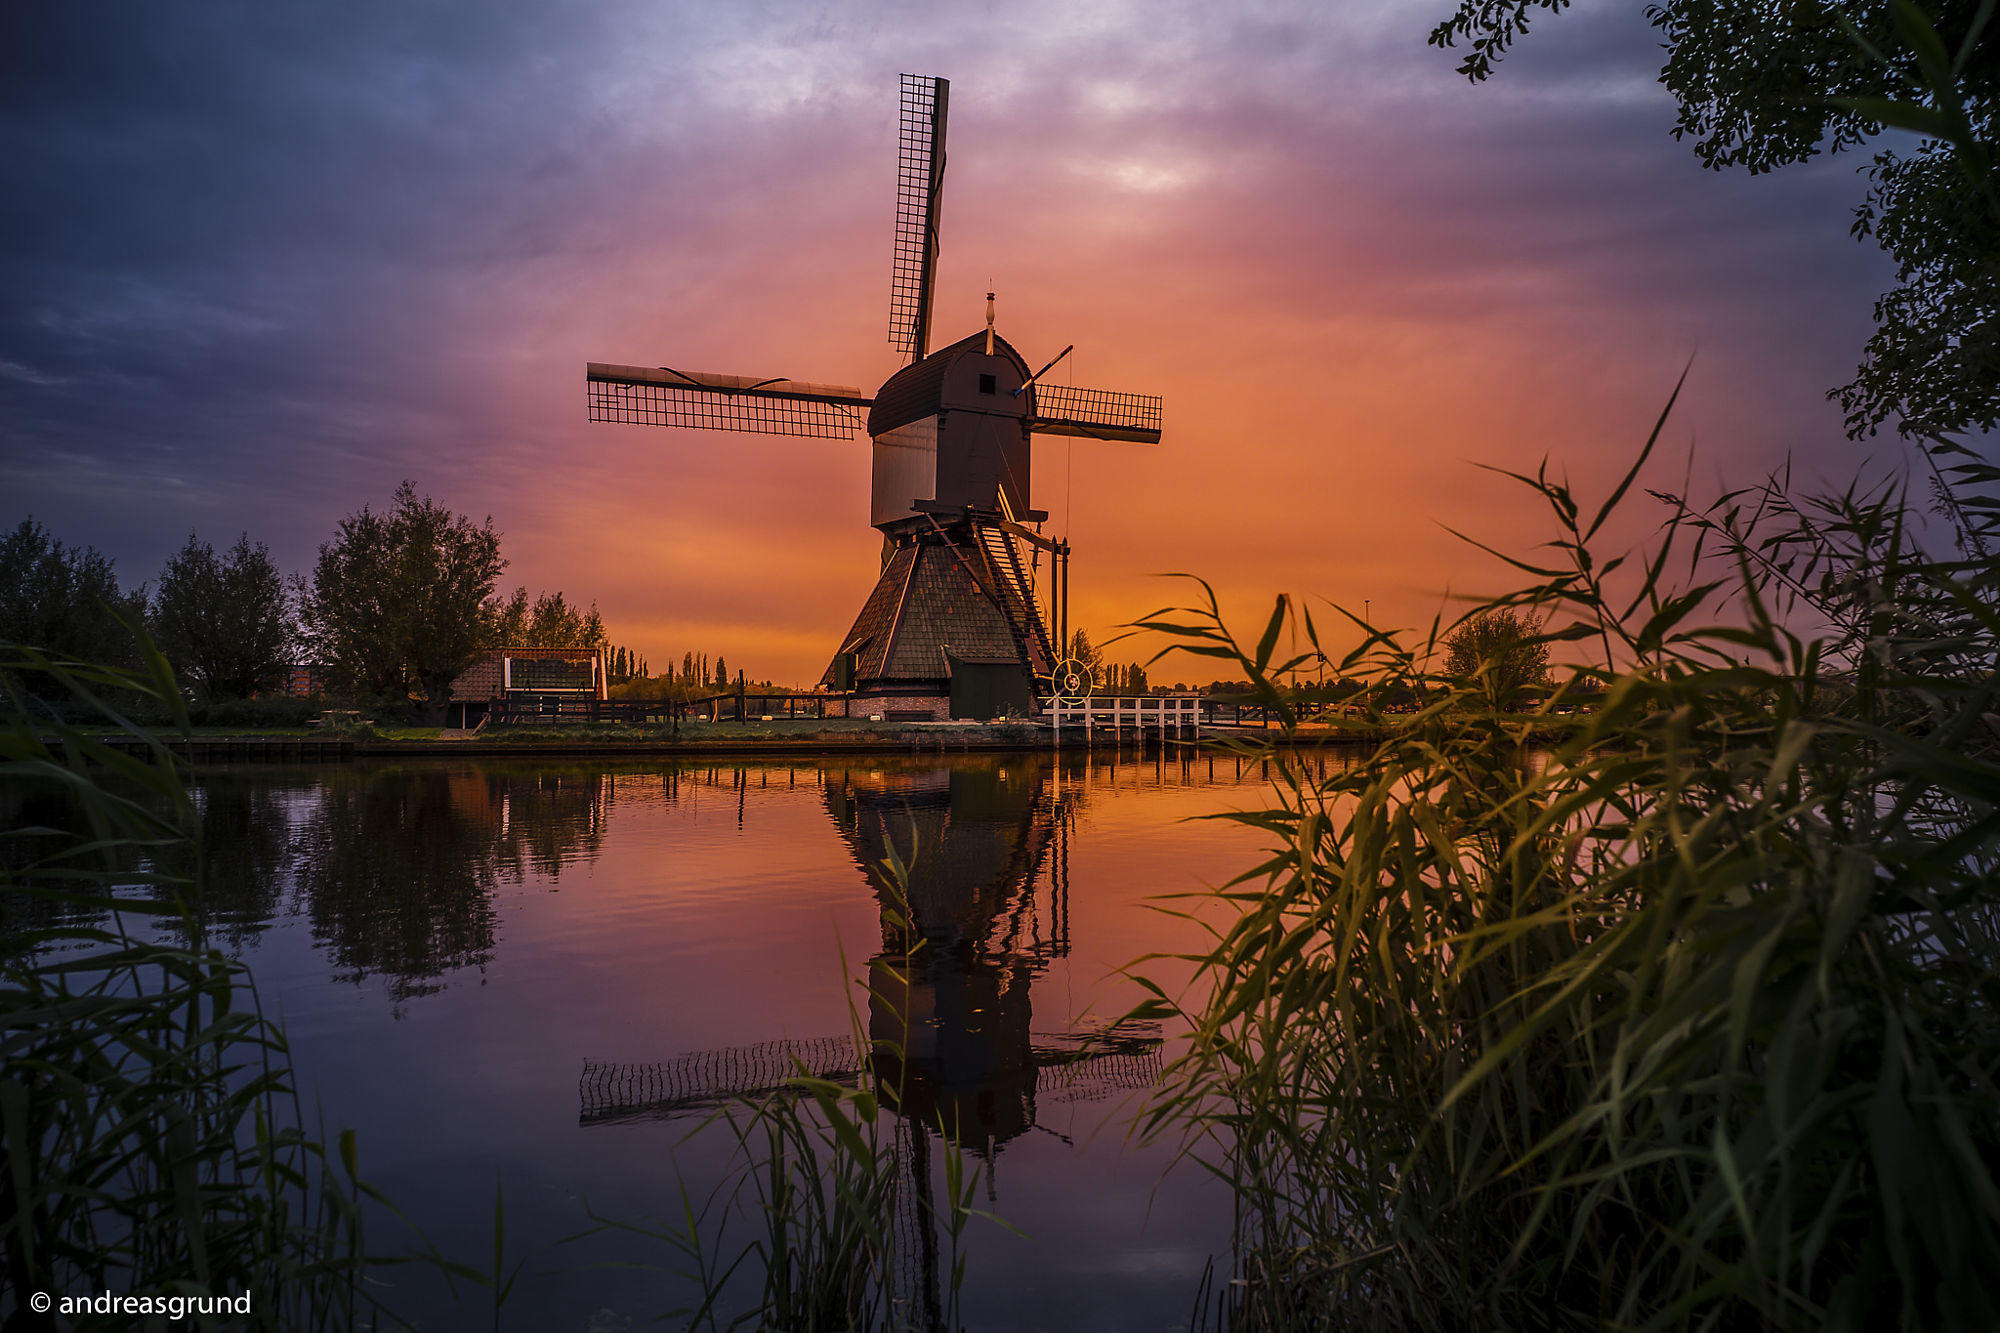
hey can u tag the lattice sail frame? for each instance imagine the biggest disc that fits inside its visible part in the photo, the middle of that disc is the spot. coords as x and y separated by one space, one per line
704 1080
694 409
919 194
644 396
1062 409
1084 1065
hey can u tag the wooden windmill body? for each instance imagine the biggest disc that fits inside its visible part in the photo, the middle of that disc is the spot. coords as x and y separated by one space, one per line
958 623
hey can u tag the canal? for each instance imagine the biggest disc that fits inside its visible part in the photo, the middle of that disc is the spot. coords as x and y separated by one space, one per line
544 977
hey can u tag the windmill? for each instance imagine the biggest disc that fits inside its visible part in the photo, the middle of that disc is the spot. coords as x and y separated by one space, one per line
955 625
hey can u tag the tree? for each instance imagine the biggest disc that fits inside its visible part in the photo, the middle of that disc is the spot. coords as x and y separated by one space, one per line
1500 652
1762 86
547 622
1125 678
223 621
64 599
399 601
509 627
721 672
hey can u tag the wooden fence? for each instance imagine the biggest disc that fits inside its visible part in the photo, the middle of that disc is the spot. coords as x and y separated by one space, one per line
736 706
1166 713
1178 713
1226 714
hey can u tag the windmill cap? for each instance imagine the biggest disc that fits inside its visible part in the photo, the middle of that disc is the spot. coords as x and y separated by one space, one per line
919 390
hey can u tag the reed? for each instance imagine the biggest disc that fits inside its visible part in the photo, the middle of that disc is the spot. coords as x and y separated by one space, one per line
151 1140
831 1218
1675 1011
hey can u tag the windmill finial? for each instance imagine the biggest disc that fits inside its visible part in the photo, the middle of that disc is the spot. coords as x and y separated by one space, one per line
989 323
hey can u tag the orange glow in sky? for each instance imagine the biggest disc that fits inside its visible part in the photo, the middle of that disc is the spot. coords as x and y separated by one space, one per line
1353 278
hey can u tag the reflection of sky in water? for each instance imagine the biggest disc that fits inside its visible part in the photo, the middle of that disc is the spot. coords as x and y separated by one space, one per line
450 944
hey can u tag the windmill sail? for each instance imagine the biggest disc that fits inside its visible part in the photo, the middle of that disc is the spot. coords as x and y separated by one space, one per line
701 1081
919 192
693 400
1100 414
1087 1064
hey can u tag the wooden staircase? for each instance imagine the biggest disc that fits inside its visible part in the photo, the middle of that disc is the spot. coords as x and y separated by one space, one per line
1014 592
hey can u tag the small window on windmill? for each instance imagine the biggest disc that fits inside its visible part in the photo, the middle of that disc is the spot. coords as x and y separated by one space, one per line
987 384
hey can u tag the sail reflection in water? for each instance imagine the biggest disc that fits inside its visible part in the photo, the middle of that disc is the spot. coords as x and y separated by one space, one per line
970 870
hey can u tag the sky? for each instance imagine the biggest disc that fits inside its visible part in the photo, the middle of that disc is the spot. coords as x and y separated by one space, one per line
260 263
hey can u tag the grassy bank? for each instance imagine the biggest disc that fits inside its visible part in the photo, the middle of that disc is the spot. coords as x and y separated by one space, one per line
777 736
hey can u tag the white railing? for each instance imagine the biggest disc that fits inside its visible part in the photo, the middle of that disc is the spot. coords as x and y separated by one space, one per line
1141 712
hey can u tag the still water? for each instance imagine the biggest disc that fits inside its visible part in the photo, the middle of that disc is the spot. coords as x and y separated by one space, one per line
543 977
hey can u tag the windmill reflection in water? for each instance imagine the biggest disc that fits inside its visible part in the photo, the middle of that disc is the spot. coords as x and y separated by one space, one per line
970 867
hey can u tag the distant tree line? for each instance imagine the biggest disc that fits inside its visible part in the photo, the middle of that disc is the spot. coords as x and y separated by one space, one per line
626 665
1124 678
1119 678
548 621
64 600
697 675
399 603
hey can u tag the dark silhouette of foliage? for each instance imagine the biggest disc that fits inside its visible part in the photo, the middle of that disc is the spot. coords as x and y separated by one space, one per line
1666 1002
64 600
1762 86
550 621
1125 678
1082 651
155 1141
223 621
1498 652
397 868
626 666
398 603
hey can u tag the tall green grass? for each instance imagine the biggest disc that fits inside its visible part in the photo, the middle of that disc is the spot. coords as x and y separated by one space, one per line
1674 1012
828 1220
151 1142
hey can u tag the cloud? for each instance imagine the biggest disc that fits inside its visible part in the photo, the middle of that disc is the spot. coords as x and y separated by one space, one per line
265 261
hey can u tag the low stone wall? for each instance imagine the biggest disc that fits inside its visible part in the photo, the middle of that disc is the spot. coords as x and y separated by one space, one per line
903 707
